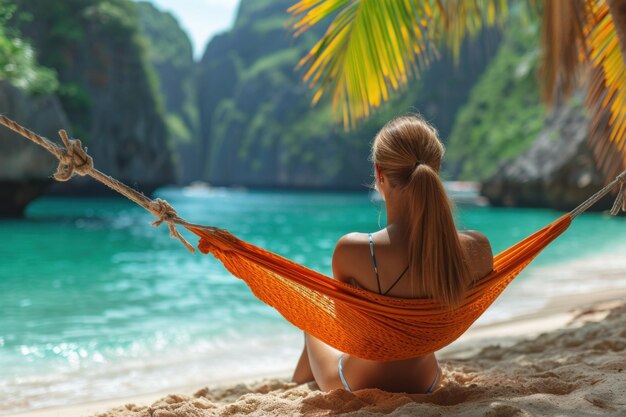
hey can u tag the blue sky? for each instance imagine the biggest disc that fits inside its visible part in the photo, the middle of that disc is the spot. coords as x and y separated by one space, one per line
201 19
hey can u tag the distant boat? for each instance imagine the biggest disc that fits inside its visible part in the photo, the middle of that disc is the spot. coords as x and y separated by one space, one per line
463 193
200 189
196 188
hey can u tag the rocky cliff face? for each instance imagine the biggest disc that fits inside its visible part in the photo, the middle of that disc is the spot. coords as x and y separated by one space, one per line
25 168
257 125
558 170
104 88
170 53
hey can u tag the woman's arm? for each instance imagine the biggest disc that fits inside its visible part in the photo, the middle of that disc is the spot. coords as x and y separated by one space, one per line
344 257
479 253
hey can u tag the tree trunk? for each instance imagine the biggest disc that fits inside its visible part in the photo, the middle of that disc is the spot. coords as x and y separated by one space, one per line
618 12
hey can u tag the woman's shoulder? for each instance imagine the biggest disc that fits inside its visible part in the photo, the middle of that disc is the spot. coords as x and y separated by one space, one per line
352 240
475 237
478 250
349 246
349 252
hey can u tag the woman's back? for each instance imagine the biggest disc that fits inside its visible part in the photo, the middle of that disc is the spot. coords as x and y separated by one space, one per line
382 262
354 258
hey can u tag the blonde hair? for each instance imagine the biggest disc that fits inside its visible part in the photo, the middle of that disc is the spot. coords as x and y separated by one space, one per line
408 151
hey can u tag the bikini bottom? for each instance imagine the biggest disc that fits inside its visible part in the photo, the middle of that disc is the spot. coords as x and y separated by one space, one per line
347 387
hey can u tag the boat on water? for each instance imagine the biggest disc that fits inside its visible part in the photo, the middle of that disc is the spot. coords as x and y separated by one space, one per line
465 193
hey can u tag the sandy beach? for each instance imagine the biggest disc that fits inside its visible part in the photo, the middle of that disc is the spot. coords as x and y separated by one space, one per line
567 359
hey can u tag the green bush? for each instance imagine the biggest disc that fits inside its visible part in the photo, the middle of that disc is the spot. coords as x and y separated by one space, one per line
504 113
18 63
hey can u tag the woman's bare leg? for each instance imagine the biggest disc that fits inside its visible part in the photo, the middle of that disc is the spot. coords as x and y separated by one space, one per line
323 363
303 373
411 375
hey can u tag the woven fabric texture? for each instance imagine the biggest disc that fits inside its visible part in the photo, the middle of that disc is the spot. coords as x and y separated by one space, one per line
359 322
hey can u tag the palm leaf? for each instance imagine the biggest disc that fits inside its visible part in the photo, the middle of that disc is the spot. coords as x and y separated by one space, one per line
563 45
460 18
606 94
373 47
370 48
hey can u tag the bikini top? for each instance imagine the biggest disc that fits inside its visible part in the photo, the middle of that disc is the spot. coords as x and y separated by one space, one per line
376 269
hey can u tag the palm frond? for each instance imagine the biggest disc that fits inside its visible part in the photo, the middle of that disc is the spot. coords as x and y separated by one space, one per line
460 18
564 50
373 47
370 48
606 94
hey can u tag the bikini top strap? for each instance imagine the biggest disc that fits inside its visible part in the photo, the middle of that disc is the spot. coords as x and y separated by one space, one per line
397 280
380 291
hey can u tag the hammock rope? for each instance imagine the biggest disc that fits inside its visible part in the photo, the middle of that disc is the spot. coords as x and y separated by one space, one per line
73 159
354 321
620 199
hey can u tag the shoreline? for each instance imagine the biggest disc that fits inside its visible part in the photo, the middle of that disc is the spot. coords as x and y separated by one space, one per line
564 312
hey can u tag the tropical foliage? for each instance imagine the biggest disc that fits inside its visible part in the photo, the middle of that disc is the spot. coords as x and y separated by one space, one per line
18 63
503 114
372 47
63 33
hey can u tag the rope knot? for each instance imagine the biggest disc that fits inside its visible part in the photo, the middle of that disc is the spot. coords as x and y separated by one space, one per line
164 212
73 159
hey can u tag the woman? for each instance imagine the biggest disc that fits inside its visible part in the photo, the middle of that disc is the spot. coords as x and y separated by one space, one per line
418 254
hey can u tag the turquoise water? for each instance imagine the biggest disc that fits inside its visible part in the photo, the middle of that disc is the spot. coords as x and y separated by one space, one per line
96 303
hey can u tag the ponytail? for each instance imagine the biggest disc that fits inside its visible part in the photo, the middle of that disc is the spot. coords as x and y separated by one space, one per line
436 258
408 151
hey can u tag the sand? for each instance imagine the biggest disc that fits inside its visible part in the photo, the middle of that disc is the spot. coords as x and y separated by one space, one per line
578 370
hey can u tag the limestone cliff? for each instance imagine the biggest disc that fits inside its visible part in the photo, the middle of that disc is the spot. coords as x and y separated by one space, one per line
557 171
105 87
503 138
170 53
25 168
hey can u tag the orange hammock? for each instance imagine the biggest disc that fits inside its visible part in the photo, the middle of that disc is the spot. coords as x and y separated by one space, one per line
358 322
363 323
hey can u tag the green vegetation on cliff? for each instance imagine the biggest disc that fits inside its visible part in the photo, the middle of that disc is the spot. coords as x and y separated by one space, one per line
169 51
504 113
65 33
106 86
18 63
